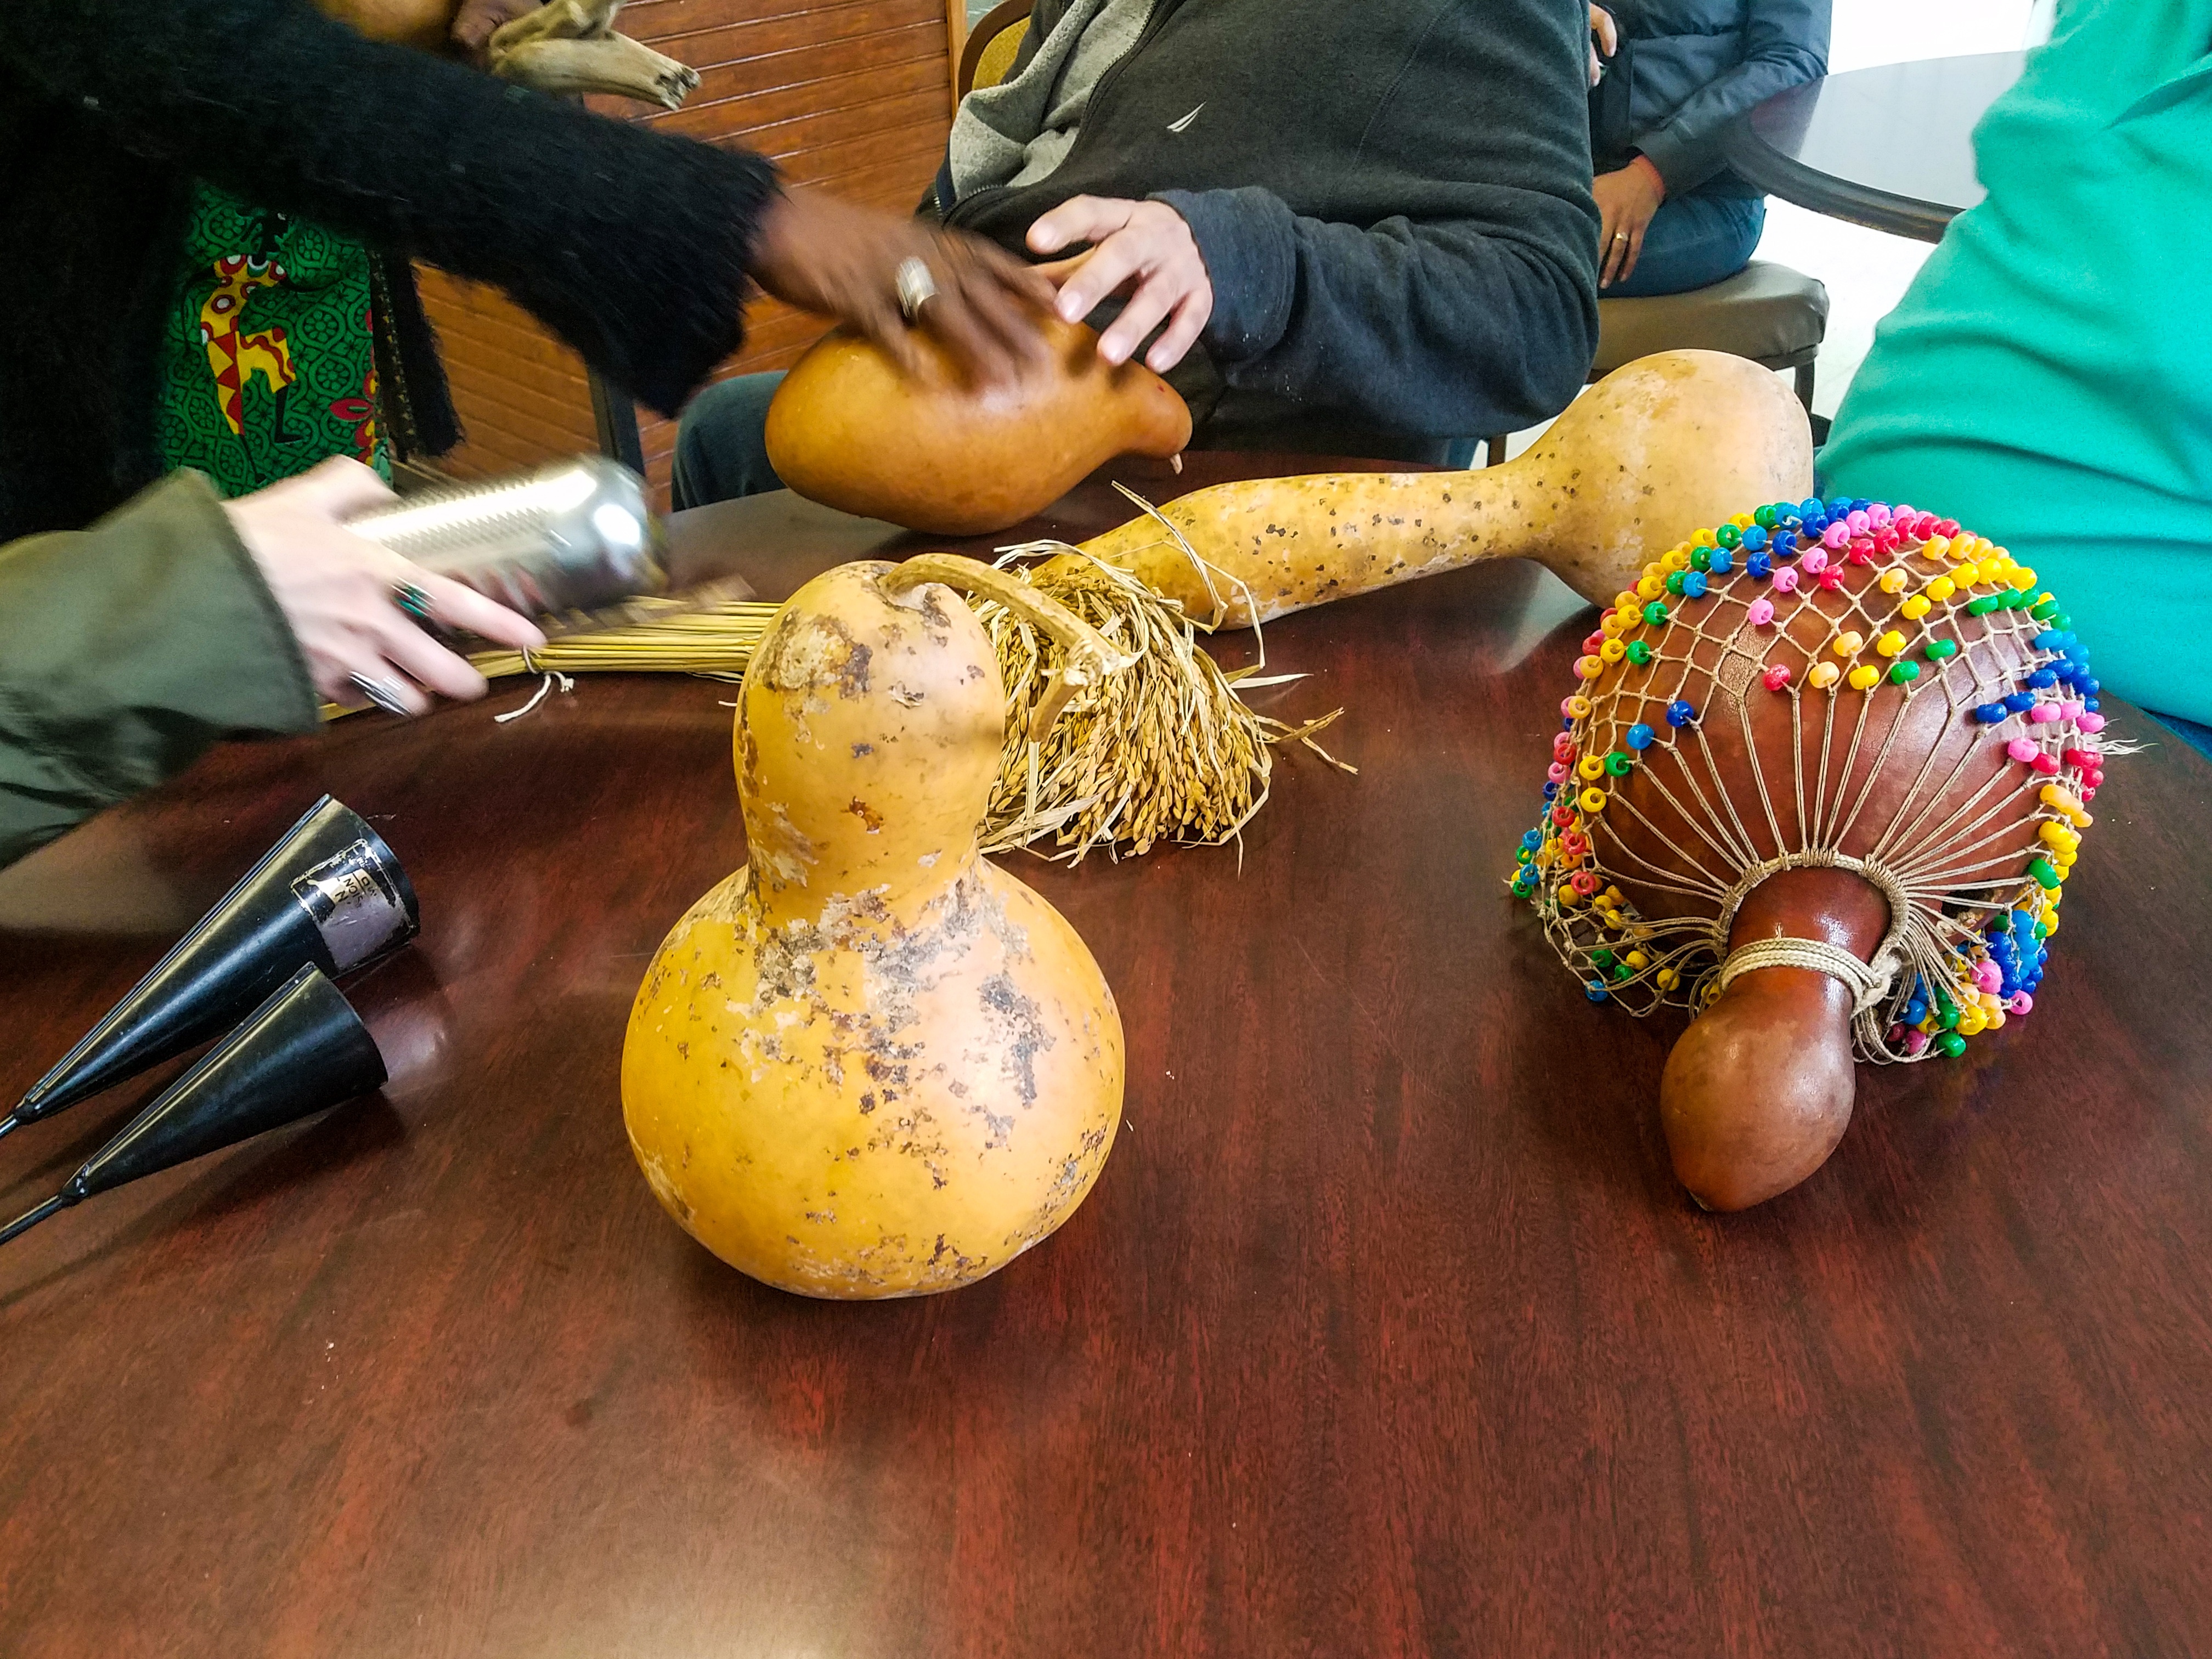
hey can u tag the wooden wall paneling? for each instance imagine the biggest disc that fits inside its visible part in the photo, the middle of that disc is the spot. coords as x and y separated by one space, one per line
854 96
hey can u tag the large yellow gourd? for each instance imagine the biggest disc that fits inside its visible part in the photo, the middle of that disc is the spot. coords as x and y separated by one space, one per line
1655 449
870 1064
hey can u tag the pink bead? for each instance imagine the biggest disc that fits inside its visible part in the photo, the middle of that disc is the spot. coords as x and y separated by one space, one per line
1761 613
2021 1004
2047 764
1987 976
1878 515
1915 1042
2043 714
2022 751
2087 722
1557 771
1858 521
1774 678
1590 645
2072 711
2087 791
2094 781
1832 579
1836 535
1785 582
1815 562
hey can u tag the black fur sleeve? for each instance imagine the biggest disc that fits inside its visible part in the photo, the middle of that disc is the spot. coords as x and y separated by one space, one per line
631 245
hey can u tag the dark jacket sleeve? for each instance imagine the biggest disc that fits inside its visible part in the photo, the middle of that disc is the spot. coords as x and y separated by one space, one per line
1785 44
125 651
1474 309
632 246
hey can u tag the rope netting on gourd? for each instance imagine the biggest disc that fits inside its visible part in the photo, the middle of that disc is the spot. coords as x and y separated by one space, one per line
1841 684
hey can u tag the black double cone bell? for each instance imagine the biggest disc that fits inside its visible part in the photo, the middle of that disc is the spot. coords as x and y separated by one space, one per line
330 895
302 1051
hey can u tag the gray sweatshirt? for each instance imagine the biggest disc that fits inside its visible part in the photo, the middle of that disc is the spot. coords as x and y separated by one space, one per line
1392 198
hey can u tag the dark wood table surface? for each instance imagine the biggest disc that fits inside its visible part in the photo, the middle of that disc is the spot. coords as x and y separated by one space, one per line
1386 1331
1889 148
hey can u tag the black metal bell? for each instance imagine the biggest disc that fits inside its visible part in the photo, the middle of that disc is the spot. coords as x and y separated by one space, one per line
330 895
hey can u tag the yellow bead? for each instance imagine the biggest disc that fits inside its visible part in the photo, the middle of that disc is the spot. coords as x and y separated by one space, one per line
2050 921
1568 897
1823 675
1863 677
1972 1022
1995 1018
1704 539
1612 651
1667 979
1942 588
1590 667
1890 643
1915 608
1967 573
1546 853
2021 578
1677 559
1616 897
1652 587
1936 547
1610 624
1654 570
1592 767
1743 521
1591 800
2057 835
1626 600
1988 1002
1891 580
1579 708
1847 644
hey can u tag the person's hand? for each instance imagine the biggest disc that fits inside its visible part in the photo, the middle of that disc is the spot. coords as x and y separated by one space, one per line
1144 243
477 21
337 590
1626 202
823 255
1605 40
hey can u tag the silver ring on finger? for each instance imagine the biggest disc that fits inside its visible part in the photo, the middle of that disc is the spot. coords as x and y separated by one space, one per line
412 599
917 286
384 694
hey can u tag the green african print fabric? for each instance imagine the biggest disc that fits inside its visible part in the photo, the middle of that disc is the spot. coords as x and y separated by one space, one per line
267 361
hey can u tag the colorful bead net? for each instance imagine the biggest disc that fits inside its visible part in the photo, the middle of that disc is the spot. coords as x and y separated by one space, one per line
1836 684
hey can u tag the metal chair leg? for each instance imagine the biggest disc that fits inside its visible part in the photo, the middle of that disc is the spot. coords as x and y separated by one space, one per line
1805 385
1495 448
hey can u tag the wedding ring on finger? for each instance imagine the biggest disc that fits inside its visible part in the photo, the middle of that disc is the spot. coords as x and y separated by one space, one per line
412 599
384 694
917 286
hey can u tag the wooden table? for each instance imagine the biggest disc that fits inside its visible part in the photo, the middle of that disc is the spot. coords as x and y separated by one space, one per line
1890 147
1386 1331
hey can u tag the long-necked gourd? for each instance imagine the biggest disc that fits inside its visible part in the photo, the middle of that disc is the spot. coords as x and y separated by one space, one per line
1657 448
871 1063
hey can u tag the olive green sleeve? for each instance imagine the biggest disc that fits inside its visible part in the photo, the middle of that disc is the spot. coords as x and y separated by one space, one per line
128 649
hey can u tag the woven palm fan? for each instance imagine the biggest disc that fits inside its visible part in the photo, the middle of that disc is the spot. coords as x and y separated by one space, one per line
1821 782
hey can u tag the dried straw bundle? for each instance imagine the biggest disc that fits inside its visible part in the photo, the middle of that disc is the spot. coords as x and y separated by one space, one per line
717 640
1164 750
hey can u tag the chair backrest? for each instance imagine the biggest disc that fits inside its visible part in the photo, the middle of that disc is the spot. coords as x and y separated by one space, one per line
993 44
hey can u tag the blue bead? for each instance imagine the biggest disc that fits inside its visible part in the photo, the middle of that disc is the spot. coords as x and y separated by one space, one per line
1915 1011
2042 678
1532 840
1788 526
1811 507
1595 992
1693 584
1990 713
1754 538
2021 702
1722 561
1640 735
2089 704
2071 640
1839 505
2048 640
1680 713
1550 790
2086 688
1761 566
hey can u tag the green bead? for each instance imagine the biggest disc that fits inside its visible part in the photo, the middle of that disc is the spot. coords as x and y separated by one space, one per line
1654 613
2044 610
1618 763
1674 583
1901 672
1728 536
1639 653
1603 959
1951 1044
2062 622
1523 855
1938 649
1982 604
2046 877
1767 518
2042 930
1701 558
1621 970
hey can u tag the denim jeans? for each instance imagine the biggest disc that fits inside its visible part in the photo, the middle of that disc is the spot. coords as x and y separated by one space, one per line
1693 241
722 445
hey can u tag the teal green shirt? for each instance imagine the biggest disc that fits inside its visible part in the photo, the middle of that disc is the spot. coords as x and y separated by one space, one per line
2047 380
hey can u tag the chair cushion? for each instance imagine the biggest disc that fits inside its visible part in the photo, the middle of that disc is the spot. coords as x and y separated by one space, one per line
998 59
1767 313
